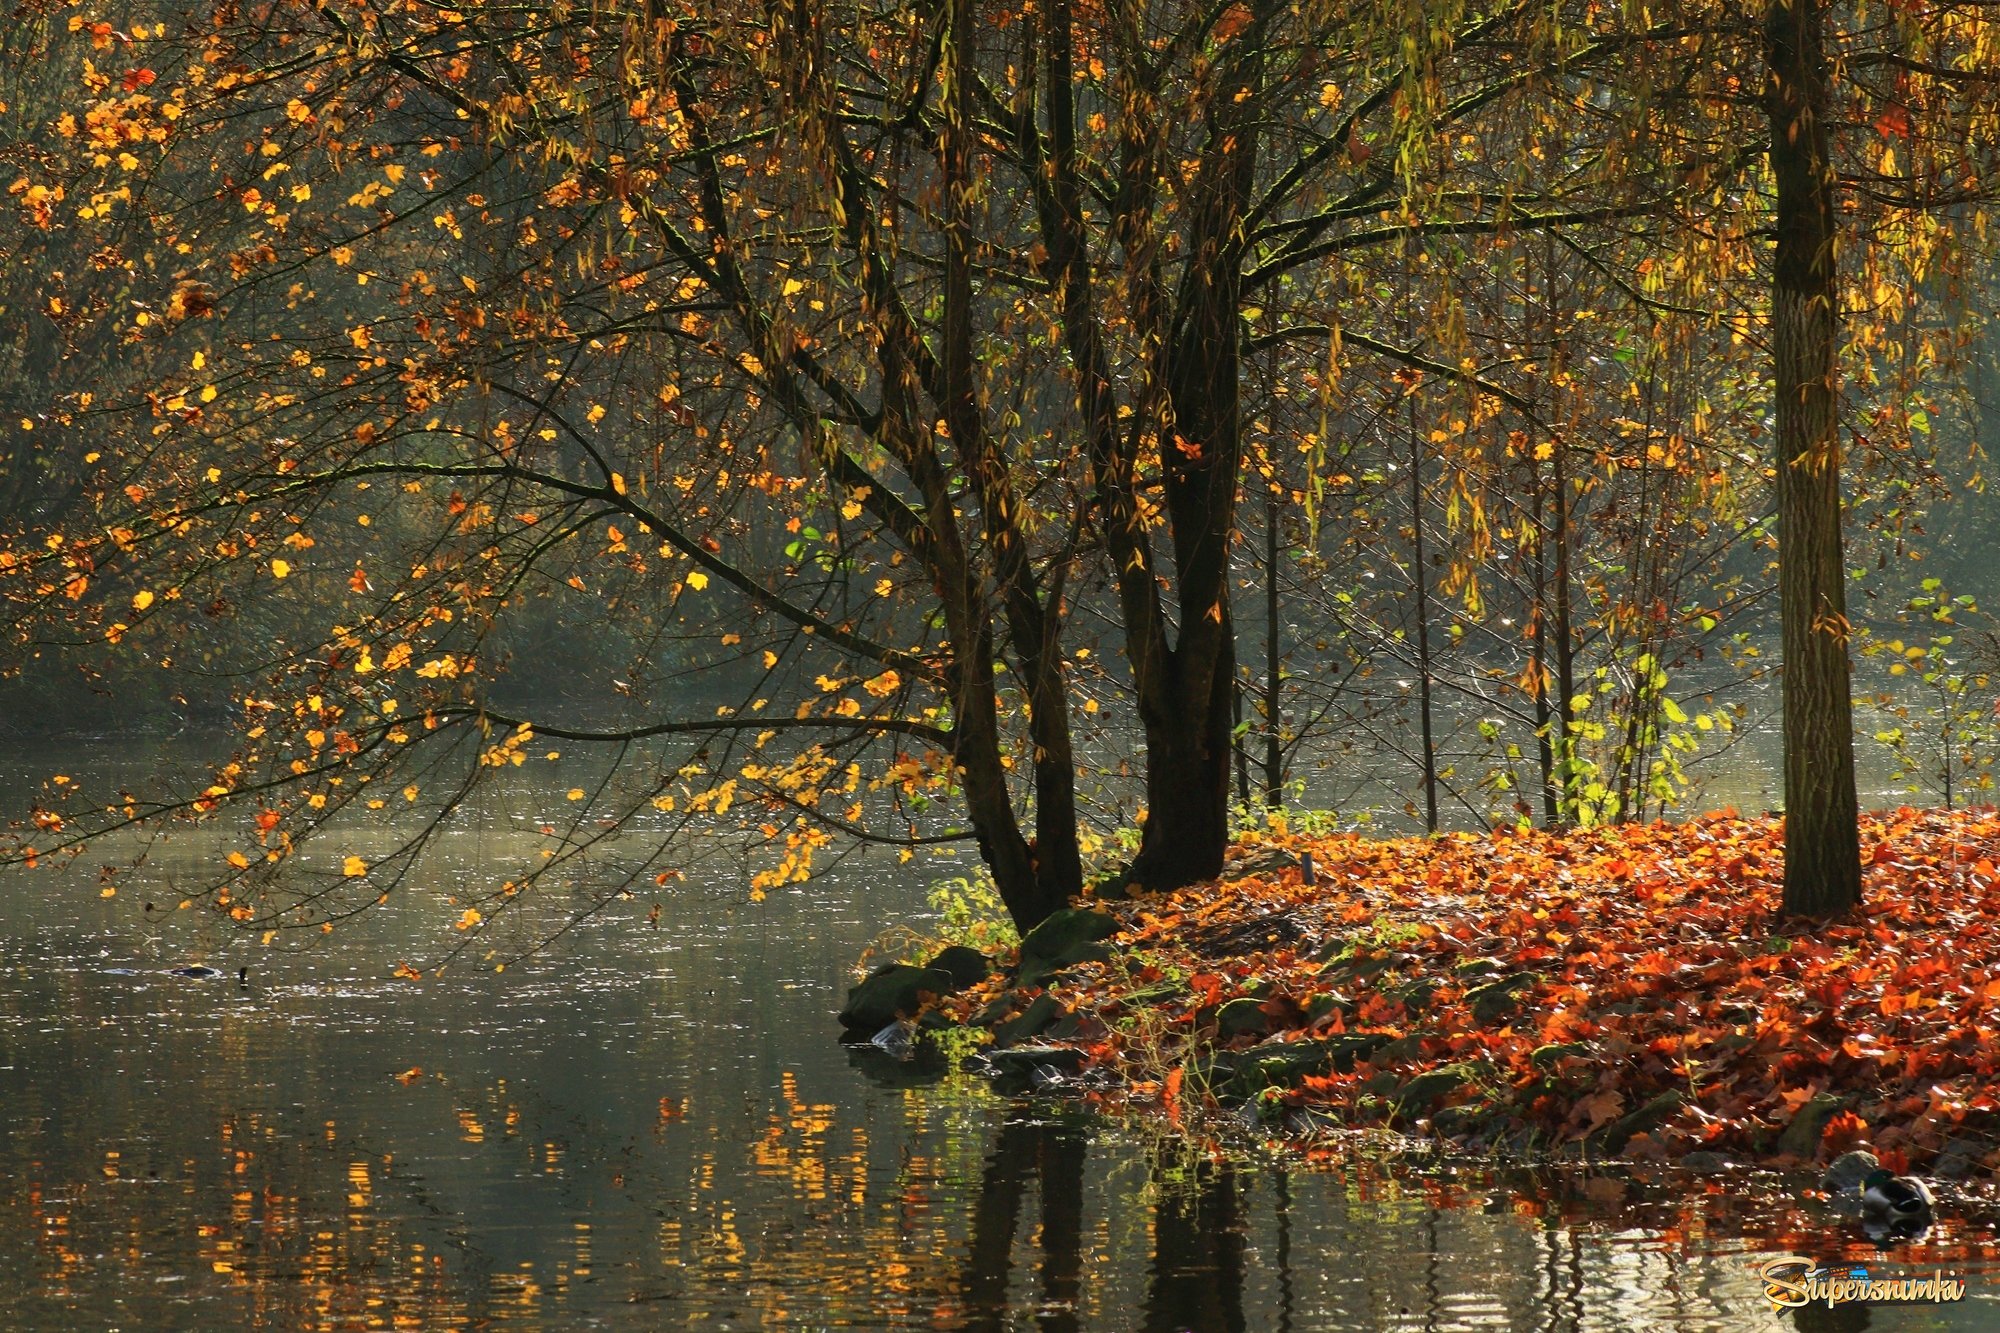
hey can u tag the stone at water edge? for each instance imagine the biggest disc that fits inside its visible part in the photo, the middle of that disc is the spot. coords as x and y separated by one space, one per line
966 966
896 1039
1235 1074
1022 1065
1959 1159
1842 1181
1064 929
1042 1011
1801 1137
1428 1088
1240 1016
1646 1119
890 992
1067 936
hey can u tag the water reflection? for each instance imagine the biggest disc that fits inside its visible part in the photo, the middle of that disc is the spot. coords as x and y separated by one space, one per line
1196 1275
654 1129
1047 1156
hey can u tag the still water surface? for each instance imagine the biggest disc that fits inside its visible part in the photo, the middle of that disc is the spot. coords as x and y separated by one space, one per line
653 1127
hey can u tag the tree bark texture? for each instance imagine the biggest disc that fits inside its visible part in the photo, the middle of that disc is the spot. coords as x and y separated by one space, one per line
1822 842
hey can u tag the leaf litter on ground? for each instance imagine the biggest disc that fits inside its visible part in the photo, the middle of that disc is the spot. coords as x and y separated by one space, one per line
1626 992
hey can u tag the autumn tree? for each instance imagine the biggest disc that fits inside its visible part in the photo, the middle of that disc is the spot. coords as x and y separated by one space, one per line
1822 842
811 369
1926 72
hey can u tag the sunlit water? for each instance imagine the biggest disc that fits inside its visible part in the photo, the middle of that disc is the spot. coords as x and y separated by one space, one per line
653 1127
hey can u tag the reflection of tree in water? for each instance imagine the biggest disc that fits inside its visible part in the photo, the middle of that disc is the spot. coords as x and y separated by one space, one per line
1195 1275
1053 1155
1831 1319
1196 1280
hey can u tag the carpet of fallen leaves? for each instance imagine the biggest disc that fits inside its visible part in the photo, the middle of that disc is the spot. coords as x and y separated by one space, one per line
1624 990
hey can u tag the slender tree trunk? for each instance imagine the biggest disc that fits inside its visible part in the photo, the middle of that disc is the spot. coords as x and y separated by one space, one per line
1565 639
1242 743
1545 724
1420 588
1822 842
1274 658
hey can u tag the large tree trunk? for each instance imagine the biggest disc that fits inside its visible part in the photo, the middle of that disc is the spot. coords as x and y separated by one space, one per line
1187 782
1184 692
1822 843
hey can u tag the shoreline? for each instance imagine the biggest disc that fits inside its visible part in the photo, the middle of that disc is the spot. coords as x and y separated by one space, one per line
1624 993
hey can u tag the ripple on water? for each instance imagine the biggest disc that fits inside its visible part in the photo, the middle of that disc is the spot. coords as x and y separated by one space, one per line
655 1128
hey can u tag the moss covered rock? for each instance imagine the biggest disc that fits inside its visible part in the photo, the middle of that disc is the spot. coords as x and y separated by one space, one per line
892 992
1065 938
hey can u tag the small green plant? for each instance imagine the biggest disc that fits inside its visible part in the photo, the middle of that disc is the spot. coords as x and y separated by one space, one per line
1939 703
1612 769
970 912
959 1043
1292 819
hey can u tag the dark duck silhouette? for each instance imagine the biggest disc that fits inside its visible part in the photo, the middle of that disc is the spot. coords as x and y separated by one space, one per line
1895 1207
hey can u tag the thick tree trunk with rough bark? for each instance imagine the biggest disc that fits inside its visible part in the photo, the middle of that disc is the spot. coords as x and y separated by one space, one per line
1822 843
1187 783
1183 664
1184 691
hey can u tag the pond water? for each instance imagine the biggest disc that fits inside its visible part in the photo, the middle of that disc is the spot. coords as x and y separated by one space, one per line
651 1126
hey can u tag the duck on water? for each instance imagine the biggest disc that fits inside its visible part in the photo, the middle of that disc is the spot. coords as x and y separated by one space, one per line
202 972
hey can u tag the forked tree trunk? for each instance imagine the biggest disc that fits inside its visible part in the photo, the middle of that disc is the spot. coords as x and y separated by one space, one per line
1038 877
1822 843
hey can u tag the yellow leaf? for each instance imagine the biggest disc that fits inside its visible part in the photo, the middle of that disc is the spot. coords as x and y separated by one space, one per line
470 919
617 481
354 867
575 793
697 580
280 569
239 860
141 600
